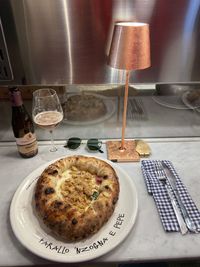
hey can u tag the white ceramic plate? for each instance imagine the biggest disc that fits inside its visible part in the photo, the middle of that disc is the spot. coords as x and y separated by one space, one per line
110 110
38 239
169 101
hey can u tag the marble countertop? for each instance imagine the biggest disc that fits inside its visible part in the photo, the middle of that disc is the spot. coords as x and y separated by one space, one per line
147 241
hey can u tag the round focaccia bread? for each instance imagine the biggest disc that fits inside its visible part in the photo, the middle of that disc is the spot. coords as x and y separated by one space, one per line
76 195
84 107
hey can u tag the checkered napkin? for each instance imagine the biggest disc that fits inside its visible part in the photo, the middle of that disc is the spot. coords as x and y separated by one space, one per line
161 198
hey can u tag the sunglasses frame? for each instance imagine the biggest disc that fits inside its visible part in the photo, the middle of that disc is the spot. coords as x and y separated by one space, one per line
93 144
73 143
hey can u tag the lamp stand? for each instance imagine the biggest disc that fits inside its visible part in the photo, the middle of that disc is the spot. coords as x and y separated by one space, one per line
124 151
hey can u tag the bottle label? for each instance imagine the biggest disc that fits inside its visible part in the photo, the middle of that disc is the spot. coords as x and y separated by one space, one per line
26 139
27 145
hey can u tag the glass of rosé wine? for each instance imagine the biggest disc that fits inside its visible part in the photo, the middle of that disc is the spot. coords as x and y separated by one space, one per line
47 111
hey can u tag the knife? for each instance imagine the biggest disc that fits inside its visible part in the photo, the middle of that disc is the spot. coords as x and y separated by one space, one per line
181 222
172 181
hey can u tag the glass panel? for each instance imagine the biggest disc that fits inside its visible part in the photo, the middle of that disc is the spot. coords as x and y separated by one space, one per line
95 111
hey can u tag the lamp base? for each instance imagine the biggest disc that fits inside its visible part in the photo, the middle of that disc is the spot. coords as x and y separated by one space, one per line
115 154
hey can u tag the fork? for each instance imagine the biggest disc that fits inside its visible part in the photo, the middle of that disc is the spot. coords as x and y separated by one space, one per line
162 178
136 109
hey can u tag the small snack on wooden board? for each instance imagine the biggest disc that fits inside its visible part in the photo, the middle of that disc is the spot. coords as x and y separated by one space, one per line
142 148
76 195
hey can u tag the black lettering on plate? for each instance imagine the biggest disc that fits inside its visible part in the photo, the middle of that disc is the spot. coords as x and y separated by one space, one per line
52 247
119 221
93 246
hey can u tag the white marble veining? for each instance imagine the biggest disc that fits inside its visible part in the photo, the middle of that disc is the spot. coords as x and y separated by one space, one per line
147 240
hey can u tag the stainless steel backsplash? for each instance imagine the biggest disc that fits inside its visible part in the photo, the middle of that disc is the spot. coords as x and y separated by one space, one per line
66 41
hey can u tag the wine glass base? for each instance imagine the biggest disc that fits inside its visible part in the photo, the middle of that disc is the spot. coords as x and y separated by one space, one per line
46 155
53 149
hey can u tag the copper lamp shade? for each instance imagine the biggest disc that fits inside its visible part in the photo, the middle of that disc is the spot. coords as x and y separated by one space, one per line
130 50
130 47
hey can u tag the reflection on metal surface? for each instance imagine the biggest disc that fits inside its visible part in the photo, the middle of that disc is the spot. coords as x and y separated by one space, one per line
189 43
69 42
66 42
5 67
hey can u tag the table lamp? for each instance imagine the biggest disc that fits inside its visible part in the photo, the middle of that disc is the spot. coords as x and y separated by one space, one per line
129 50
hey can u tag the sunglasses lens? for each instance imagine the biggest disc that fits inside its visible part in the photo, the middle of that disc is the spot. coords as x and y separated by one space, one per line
94 144
73 142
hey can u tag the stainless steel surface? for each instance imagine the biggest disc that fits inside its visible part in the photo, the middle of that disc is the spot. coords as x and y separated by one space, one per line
162 178
172 181
175 89
67 42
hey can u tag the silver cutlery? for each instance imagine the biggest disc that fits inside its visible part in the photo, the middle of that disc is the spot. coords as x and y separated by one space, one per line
136 109
172 181
162 178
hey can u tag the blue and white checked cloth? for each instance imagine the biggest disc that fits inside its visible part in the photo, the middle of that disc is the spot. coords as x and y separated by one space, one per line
161 198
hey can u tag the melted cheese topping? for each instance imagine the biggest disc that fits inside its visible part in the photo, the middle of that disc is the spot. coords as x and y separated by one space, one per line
65 176
79 188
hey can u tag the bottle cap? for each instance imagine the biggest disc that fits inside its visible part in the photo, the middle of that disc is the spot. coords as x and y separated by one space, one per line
13 89
15 96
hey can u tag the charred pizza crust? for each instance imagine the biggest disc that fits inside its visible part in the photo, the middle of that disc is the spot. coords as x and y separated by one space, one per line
76 195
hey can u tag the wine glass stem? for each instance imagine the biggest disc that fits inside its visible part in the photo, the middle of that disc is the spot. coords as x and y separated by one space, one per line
53 147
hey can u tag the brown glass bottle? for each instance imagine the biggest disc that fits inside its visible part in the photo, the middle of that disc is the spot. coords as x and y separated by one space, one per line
22 126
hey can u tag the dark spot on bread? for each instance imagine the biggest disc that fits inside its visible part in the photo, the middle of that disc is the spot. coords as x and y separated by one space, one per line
114 201
74 221
49 190
52 172
57 204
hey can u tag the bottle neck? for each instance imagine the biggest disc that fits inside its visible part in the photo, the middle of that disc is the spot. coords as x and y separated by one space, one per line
16 98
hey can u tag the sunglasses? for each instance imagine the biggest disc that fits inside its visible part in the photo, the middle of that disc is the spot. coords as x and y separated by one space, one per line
93 144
